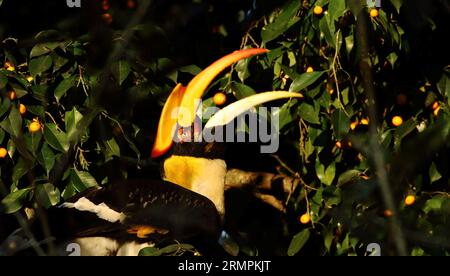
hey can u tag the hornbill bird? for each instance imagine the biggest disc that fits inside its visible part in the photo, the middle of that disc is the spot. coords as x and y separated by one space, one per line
123 217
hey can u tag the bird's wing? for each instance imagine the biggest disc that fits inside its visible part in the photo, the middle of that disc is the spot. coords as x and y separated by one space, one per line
135 209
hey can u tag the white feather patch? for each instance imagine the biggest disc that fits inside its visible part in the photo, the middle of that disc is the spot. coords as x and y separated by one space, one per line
101 210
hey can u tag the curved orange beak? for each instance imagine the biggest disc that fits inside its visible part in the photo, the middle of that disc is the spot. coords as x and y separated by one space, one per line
187 98
168 122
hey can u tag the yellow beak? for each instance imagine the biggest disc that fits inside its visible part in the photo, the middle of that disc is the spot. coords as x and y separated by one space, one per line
182 103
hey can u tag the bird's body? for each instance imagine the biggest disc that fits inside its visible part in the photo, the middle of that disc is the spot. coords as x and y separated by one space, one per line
127 216
122 217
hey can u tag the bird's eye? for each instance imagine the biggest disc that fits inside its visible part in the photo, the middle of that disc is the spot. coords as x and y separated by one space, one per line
184 135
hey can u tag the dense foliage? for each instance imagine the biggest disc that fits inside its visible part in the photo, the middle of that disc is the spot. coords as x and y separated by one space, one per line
368 144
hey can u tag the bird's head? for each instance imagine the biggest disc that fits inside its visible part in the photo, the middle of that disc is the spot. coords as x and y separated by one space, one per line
193 164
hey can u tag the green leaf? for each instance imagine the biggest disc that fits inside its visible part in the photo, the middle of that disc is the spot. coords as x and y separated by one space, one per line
46 158
336 8
308 113
40 64
190 69
240 90
434 173
3 80
327 28
13 123
82 180
150 252
20 169
43 48
63 87
112 148
2 135
434 204
397 4
341 123
285 114
121 70
287 18
305 80
69 191
327 175
348 177
298 241
242 69
13 202
56 138
72 118
47 195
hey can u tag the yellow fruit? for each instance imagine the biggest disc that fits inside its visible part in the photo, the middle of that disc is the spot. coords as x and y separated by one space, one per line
9 66
3 152
339 145
305 218
318 10
435 105
365 121
397 121
388 213
34 127
12 95
309 69
107 18
374 13
353 125
30 78
409 200
220 98
436 111
22 109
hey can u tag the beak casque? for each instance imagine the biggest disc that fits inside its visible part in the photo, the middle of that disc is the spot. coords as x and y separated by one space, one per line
182 103
168 122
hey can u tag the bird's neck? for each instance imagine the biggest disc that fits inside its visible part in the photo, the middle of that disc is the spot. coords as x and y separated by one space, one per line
200 175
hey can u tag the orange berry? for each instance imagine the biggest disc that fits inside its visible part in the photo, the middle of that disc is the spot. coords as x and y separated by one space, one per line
3 153
365 177
107 18
436 111
353 125
339 145
9 66
12 95
409 200
309 69
374 13
365 121
22 109
131 4
435 105
220 98
388 213
305 219
318 10
397 121
34 127
105 5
